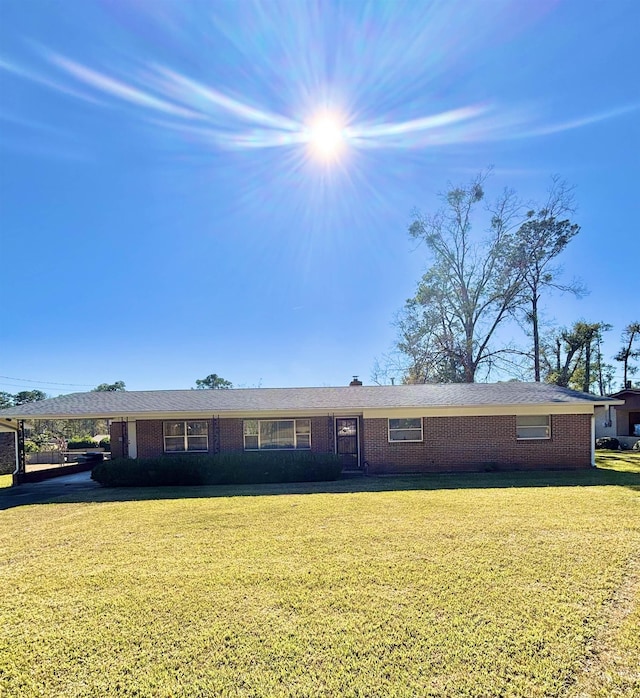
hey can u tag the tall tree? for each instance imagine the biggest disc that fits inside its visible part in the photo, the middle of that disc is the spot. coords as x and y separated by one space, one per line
472 286
627 353
572 357
540 240
605 372
6 400
213 382
25 396
109 387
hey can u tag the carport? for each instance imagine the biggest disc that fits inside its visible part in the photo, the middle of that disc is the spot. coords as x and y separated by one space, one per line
12 451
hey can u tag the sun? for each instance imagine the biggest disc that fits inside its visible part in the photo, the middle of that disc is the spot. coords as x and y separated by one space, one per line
326 136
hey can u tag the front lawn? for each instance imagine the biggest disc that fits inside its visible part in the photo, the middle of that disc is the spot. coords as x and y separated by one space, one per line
623 461
484 585
6 480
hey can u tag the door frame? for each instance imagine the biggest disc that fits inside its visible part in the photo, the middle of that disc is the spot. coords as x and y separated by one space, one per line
335 433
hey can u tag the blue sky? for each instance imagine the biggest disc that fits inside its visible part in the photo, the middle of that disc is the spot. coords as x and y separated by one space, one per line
162 216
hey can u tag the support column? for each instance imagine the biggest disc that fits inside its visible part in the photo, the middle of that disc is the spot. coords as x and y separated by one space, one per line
21 461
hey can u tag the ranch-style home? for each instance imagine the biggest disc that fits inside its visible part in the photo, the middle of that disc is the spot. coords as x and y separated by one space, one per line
376 429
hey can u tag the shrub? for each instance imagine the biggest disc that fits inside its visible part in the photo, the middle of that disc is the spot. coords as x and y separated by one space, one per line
105 443
221 469
81 442
30 446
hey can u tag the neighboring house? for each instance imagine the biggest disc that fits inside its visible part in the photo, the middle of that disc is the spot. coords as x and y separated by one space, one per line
620 420
380 429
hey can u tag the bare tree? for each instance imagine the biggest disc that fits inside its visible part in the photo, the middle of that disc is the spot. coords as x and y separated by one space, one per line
470 289
630 334
540 240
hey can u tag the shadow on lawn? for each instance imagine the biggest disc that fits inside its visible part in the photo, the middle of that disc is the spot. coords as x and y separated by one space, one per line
87 491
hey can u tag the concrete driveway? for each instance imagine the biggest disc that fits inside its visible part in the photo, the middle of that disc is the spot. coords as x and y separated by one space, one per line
46 491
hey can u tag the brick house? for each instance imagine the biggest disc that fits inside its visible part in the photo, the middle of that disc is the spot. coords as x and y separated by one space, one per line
379 429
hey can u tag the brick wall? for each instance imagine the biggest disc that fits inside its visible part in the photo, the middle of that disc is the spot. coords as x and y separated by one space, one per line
229 436
450 443
478 443
150 438
322 439
7 452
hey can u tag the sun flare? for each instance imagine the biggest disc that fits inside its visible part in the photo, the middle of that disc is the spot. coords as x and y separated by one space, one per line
326 137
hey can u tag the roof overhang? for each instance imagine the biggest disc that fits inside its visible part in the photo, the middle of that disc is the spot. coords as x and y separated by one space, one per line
371 412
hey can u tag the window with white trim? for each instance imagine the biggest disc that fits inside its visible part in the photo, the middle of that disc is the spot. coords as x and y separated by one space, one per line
405 429
533 426
186 436
274 434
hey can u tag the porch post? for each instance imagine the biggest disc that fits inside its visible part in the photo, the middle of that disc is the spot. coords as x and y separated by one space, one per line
20 455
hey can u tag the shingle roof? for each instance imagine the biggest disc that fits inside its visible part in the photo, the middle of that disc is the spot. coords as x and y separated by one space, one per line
273 400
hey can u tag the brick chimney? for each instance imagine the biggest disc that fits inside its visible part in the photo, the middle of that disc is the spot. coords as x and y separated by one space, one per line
355 381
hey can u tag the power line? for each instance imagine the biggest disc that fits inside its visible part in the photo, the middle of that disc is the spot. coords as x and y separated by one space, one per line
32 381
15 387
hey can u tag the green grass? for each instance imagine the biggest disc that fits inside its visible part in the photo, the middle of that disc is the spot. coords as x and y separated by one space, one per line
490 584
623 461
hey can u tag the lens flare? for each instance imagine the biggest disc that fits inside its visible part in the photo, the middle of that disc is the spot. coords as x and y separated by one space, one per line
326 137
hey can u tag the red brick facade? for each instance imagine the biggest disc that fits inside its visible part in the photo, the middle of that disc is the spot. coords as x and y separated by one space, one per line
449 443
225 435
478 443
7 452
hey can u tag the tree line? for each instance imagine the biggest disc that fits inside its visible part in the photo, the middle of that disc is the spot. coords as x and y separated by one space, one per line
477 286
212 382
44 431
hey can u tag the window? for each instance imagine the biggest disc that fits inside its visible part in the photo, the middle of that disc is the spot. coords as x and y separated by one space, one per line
274 434
533 426
186 436
405 429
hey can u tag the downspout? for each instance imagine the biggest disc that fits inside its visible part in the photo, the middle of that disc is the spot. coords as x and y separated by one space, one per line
593 440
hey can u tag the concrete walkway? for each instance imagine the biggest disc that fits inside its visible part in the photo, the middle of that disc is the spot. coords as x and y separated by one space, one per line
46 491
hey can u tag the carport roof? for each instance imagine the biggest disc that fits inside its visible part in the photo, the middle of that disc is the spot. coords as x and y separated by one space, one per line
274 400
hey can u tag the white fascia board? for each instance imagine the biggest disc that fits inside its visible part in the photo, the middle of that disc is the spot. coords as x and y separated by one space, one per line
478 411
